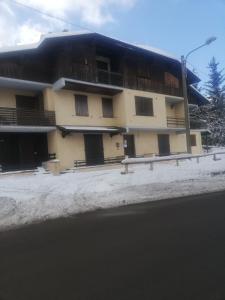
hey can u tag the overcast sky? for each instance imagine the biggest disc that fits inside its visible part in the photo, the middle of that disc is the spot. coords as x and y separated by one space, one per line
173 25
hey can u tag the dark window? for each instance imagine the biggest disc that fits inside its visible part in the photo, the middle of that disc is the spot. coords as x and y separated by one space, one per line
193 140
144 106
81 105
107 107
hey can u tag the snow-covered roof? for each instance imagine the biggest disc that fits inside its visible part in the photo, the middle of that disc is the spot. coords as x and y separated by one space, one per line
42 39
80 33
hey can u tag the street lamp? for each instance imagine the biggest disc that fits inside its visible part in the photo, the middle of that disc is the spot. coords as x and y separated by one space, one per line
185 93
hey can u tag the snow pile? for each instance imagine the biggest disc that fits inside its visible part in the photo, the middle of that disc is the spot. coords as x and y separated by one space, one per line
27 198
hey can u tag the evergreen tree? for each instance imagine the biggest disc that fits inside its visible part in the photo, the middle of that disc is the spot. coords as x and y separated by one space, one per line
213 114
215 86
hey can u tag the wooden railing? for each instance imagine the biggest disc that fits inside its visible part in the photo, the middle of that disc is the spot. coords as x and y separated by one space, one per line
95 76
146 84
85 73
26 117
175 122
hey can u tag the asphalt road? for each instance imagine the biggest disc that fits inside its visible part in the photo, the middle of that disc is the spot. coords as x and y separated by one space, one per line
170 250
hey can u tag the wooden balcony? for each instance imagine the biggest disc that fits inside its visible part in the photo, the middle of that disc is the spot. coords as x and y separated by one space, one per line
84 73
25 117
146 84
175 122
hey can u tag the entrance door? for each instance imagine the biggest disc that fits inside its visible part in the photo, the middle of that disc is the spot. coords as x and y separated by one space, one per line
129 145
94 149
164 144
9 152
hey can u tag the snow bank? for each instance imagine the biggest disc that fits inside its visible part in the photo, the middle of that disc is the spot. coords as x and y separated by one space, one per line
27 198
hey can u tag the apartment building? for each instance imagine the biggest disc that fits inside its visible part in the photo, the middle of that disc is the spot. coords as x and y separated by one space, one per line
85 98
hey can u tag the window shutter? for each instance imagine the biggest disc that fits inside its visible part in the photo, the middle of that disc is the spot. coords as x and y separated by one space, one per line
107 107
81 105
171 80
144 106
193 140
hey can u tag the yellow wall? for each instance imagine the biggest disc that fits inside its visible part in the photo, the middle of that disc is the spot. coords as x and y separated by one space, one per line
113 146
159 108
71 147
8 97
178 143
198 148
146 143
175 110
123 105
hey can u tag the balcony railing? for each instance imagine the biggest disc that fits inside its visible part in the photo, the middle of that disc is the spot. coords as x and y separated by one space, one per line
95 76
84 73
26 117
112 78
146 84
175 122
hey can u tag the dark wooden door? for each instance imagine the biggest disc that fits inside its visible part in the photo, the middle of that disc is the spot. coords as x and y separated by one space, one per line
164 144
94 149
22 151
129 145
9 152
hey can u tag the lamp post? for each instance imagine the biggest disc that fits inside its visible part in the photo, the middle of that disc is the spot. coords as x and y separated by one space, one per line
185 92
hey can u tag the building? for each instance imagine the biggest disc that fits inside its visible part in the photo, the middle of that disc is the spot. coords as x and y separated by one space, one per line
85 98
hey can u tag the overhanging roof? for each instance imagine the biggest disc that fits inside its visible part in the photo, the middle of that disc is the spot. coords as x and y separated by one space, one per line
26 129
66 129
174 100
202 99
158 129
89 87
135 47
19 84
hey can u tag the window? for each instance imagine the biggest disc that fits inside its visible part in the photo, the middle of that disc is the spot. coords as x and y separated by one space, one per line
193 140
171 81
107 107
103 63
81 105
144 106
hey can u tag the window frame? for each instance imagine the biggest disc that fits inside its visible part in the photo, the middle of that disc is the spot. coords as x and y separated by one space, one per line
142 111
78 111
104 113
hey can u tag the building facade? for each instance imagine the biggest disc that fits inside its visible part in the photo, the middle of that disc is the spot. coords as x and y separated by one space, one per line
87 99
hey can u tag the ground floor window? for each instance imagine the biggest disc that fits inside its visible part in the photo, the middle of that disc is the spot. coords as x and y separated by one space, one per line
193 140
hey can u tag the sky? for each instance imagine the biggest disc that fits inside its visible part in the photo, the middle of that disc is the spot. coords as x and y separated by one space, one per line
176 26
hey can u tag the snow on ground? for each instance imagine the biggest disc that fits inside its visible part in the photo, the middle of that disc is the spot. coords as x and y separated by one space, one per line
32 197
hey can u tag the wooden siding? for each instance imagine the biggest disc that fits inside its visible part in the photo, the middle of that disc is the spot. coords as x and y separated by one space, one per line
77 60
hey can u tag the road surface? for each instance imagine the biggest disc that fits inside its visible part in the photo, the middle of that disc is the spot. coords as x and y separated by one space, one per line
165 250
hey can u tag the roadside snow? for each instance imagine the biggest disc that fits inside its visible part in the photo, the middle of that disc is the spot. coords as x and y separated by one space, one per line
28 198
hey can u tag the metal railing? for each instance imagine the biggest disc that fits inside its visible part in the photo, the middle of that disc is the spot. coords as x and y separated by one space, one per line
151 161
175 122
26 117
